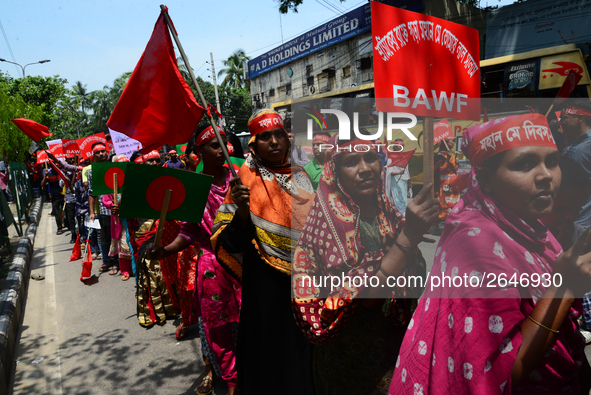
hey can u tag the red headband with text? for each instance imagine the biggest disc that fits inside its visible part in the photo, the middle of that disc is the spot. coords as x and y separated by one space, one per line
572 110
151 155
207 134
265 121
321 138
490 138
99 147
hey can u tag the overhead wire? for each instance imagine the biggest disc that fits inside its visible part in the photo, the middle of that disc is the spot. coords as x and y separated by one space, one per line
8 45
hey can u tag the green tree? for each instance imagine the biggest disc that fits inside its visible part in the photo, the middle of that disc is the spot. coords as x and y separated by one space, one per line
44 92
234 70
14 144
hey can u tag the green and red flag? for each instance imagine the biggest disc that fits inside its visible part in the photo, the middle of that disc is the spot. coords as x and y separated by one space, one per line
181 148
236 162
103 180
146 186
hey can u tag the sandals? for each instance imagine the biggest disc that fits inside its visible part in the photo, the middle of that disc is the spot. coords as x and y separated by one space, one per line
181 332
104 268
113 270
206 386
125 276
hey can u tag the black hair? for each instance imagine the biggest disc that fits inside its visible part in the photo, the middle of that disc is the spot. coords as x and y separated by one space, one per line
491 165
584 104
235 141
97 143
191 145
134 156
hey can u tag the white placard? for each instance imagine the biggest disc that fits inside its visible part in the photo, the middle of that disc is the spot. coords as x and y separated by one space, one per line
92 224
123 144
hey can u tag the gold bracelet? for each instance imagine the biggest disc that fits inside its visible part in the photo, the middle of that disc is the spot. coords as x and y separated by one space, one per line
542 325
402 246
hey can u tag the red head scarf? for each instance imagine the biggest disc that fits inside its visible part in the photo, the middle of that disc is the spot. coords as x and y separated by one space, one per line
207 134
490 138
264 120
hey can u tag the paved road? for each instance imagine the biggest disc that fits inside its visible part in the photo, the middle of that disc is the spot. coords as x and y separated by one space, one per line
89 336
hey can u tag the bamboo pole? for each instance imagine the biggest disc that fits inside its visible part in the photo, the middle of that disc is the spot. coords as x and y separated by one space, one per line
162 219
428 160
115 193
199 93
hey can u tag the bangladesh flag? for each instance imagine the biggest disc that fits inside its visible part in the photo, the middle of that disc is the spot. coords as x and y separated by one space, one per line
146 186
181 148
103 181
237 162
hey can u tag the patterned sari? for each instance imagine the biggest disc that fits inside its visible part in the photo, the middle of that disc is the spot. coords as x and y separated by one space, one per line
460 343
358 345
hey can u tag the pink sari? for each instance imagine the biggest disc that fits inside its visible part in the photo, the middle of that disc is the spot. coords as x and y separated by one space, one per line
460 345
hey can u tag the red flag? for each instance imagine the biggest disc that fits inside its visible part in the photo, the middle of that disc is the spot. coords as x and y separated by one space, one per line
441 131
157 106
76 251
61 175
86 264
399 159
34 130
569 85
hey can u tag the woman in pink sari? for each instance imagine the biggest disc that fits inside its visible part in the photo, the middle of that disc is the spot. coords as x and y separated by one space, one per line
217 296
487 334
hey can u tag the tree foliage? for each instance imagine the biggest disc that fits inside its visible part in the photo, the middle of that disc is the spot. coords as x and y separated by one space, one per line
234 70
14 144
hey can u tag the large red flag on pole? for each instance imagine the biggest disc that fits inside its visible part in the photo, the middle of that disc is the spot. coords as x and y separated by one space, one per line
34 130
157 106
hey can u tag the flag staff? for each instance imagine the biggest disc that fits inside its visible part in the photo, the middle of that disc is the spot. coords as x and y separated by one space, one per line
201 97
428 153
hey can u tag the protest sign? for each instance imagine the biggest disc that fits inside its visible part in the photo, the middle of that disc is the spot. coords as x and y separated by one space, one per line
70 147
424 65
86 143
442 131
123 144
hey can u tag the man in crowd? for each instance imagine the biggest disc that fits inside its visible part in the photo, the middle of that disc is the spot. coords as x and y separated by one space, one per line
314 168
298 155
57 199
110 264
575 120
70 198
174 162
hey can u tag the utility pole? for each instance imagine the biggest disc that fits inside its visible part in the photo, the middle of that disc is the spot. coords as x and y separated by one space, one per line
215 86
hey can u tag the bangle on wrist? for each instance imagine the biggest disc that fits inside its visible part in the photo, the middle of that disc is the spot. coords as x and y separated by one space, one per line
403 247
542 325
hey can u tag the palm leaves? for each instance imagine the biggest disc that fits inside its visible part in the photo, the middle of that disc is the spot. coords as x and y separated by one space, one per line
234 70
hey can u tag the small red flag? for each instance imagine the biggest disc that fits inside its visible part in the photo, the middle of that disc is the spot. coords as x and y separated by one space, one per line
76 251
157 106
569 85
86 264
34 130
399 159
442 131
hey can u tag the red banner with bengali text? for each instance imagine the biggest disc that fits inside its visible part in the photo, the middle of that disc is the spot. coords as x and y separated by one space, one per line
85 144
424 65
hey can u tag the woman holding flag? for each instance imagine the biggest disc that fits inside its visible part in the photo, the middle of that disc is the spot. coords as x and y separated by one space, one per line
253 241
208 294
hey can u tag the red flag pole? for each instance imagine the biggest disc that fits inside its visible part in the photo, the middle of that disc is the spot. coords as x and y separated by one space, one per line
428 169
199 93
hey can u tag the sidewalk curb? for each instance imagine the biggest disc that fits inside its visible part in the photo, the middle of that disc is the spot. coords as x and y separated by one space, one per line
12 296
